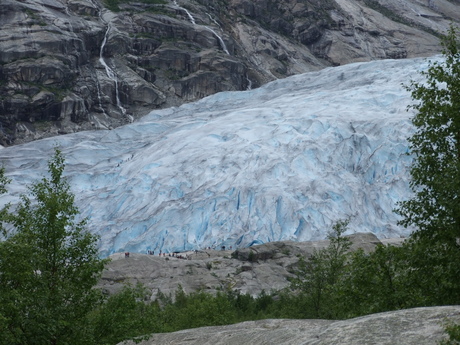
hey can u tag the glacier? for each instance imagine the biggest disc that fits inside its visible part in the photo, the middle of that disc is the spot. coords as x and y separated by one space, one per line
281 162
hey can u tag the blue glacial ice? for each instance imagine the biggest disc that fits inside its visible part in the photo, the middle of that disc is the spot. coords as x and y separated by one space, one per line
282 162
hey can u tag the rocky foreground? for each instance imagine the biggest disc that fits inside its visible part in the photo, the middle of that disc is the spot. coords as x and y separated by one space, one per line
266 267
248 270
419 326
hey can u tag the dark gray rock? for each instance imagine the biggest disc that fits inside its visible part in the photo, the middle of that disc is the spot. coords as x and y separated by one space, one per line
51 72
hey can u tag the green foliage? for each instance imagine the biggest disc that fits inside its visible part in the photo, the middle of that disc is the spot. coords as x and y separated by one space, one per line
434 271
376 282
49 265
129 315
4 212
435 172
251 256
453 331
197 309
334 283
125 315
317 278
435 179
286 252
112 5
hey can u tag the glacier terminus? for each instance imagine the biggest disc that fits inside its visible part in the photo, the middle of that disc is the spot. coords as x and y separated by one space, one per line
281 162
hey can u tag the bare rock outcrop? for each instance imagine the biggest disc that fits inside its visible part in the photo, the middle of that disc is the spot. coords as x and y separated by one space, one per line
269 267
71 65
264 267
418 326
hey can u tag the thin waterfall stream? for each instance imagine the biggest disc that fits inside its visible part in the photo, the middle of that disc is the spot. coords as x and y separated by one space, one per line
192 20
110 72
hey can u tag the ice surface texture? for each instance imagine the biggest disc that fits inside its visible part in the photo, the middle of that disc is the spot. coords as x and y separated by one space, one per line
282 162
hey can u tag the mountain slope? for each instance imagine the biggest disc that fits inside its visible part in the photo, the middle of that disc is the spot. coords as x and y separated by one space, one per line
67 66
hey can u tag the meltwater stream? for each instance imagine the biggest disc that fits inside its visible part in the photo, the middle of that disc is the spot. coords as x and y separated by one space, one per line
110 72
192 20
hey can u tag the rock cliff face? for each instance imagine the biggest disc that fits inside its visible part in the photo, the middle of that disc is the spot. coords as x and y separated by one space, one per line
70 65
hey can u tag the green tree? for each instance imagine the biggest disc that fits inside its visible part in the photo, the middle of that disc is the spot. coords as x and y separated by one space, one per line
435 171
126 315
49 265
434 209
377 281
197 309
4 212
318 276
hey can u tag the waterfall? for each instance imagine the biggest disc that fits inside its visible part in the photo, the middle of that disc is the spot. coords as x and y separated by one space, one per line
222 43
94 119
186 11
110 72
224 47
215 22
189 15
192 20
98 88
249 83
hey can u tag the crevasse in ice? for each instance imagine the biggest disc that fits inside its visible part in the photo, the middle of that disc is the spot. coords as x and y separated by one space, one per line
282 162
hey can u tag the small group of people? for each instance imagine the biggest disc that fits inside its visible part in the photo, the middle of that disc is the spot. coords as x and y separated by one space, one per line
152 252
221 248
174 255
179 256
